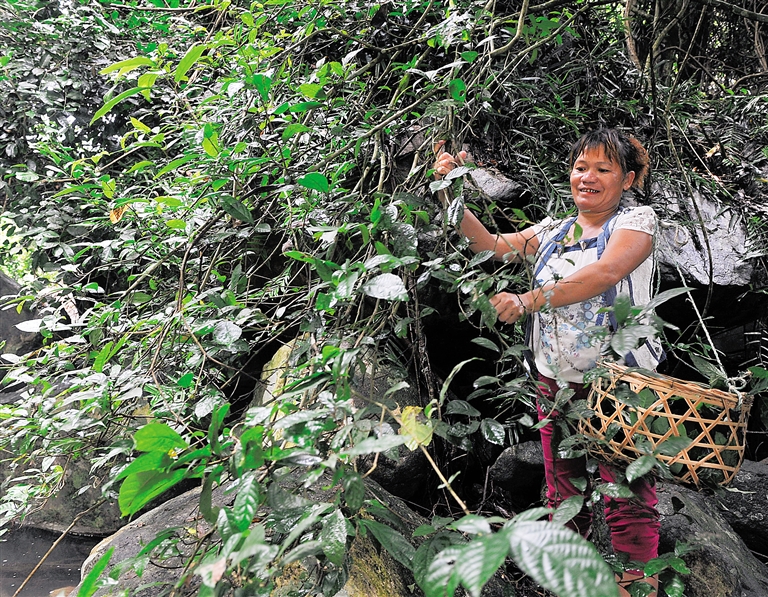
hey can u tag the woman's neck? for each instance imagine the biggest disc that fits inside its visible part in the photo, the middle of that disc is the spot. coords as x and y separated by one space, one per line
591 223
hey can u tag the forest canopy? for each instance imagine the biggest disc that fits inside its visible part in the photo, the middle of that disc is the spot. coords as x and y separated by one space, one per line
189 187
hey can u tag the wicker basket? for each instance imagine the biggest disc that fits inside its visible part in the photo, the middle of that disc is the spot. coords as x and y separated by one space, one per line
663 407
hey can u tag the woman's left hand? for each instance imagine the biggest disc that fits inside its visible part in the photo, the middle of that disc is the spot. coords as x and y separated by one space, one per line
510 307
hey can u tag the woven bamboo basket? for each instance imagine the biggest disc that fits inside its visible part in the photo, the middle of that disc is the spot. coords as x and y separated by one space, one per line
663 407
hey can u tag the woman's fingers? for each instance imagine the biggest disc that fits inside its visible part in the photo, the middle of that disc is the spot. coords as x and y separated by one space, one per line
508 306
445 163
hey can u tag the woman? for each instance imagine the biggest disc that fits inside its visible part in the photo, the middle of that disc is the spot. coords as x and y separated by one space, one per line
581 265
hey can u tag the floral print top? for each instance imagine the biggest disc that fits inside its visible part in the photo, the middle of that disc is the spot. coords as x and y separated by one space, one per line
567 341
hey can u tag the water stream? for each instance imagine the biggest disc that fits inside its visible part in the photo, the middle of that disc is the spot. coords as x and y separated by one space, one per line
21 550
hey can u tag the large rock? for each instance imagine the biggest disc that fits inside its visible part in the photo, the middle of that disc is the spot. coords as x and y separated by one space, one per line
745 504
372 571
79 492
16 341
519 473
712 229
721 564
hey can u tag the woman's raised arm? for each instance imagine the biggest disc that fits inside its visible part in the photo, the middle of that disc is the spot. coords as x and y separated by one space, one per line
512 246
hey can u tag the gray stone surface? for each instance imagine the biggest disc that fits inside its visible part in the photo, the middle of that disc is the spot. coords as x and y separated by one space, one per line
721 564
372 571
686 246
16 341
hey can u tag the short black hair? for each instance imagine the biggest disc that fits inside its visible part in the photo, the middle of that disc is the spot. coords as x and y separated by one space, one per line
619 147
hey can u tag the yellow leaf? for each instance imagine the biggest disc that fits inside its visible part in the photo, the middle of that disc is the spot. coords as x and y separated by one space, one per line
116 214
419 433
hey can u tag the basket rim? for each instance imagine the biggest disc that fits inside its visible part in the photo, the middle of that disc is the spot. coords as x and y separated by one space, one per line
665 382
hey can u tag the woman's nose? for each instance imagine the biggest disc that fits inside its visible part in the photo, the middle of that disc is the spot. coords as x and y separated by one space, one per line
589 175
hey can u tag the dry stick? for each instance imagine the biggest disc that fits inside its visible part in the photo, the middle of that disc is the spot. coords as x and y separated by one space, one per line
672 23
55 543
518 33
742 12
445 481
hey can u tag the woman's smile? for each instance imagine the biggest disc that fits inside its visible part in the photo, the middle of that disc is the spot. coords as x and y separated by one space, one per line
597 182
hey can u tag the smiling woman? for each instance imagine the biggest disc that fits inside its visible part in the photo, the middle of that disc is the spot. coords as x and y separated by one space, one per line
581 264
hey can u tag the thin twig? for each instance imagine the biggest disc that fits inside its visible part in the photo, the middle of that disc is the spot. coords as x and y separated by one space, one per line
55 543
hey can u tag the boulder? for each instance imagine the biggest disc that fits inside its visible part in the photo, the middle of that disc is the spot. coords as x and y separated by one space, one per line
78 492
713 229
372 571
744 504
721 564
16 341
519 473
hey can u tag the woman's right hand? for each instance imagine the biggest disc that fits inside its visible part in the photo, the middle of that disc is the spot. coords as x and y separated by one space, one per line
446 162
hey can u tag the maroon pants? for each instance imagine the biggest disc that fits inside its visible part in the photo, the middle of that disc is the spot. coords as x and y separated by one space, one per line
634 523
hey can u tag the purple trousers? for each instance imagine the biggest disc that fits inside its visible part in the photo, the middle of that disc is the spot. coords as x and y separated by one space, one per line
634 523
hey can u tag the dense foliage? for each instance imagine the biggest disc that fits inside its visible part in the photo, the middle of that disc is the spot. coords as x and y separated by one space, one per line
209 183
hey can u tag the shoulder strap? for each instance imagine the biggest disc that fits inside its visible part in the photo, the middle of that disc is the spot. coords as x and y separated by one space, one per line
549 247
609 295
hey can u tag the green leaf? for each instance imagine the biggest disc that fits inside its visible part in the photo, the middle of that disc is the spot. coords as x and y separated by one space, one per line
211 145
640 467
27 176
387 287
461 407
486 343
333 537
560 560
673 445
372 445
158 437
295 129
629 338
125 66
440 578
458 90
151 461
472 524
451 375
236 209
354 490
313 91
89 584
479 560
568 509
176 224
663 297
622 306
615 490
315 181
188 61
175 164
106 108
391 540
493 431
102 357
226 332
247 502
469 56
262 83
146 81
186 380
140 488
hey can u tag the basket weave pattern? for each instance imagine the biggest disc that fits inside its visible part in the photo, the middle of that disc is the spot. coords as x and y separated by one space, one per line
714 421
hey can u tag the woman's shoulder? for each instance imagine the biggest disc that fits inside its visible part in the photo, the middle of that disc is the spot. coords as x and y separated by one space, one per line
640 217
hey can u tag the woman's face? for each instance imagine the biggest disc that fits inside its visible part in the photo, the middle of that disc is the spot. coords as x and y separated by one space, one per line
597 182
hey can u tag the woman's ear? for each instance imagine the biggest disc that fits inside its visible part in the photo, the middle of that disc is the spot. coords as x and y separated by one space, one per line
629 179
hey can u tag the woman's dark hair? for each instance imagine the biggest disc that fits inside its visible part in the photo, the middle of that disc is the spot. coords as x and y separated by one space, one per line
626 151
